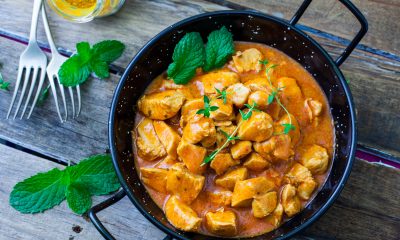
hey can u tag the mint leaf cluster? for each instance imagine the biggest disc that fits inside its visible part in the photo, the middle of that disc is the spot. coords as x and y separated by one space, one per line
96 59
77 184
190 54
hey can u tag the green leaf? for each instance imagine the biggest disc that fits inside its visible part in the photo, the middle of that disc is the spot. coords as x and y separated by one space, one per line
271 98
100 69
74 71
218 91
225 133
78 198
234 138
201 111
43 96
264 62
288 127
213 108
206 100
188 55
3 84
39 192
83 49
219 48
97 174
209 158
108 51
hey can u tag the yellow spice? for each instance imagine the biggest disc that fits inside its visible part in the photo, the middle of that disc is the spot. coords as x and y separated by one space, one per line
81 3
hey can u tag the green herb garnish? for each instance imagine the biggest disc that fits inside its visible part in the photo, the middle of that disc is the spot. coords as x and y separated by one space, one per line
78 68
188 55
222 95
207 108
43 96
219 48
231 137
3 84
92 176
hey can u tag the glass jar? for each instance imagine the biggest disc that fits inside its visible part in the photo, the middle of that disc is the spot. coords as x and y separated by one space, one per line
85 10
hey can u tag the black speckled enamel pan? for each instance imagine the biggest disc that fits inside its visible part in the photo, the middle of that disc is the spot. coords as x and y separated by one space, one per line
248 26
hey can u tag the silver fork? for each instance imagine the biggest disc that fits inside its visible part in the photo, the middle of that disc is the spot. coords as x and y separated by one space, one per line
52 73
32 60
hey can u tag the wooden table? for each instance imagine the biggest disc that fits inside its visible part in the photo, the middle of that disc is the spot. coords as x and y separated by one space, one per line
369 206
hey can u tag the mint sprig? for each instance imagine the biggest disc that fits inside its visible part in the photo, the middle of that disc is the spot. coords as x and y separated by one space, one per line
207 108
92 176
188 55
77 69
3 84
219 48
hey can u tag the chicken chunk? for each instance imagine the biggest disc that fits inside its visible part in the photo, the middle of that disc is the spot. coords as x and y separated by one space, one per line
248 60
290 91
306 189
189 109
298 174
155 178
162 105
316 159
222 162
181 216
255 162
221 222
229 179
246 190
221 138
240 149
192 156
168 137
276 217
313 108
224 111
184 184
199 128
220 197
238 94
259 84
258 128
260 98
148 144
219 79
290 201
265 204
277 148
294 133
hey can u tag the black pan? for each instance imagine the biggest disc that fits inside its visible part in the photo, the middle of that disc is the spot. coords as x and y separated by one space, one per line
249 26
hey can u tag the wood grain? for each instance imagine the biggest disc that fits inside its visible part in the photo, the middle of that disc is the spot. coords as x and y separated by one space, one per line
122 219
333 18
368 208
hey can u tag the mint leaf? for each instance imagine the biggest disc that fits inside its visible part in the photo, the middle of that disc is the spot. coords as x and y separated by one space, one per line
188 56
39 192
108 51
3 84
96 174
219 48
43 96
263 62
74 71
210 157
100 69
287 127
78 198
83 49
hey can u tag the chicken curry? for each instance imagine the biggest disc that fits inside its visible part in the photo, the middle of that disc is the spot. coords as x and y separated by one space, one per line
236 151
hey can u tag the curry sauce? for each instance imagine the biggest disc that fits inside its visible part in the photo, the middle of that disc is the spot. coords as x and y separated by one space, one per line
280 173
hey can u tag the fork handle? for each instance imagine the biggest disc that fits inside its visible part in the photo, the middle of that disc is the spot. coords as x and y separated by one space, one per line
35 15
49 36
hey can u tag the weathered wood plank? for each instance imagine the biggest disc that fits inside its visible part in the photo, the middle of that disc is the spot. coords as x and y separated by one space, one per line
332 17
367 208
123 220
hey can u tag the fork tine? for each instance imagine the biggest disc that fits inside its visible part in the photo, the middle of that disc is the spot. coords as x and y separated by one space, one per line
25 84
78 92
38 91
33 84
54 91
17 83
71 94
63 98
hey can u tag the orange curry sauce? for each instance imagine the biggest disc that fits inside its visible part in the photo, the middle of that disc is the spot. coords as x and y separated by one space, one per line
321 134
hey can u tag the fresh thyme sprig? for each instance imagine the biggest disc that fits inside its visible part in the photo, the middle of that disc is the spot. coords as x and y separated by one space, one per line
207 108
287 127
222 94
231 137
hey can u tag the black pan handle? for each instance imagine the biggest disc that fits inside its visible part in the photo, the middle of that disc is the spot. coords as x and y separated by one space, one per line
103 205
353 9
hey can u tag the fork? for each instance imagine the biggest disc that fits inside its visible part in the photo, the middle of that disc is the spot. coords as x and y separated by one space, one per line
32 62
52 73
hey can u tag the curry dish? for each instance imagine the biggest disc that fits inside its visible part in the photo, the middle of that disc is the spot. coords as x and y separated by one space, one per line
273 164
